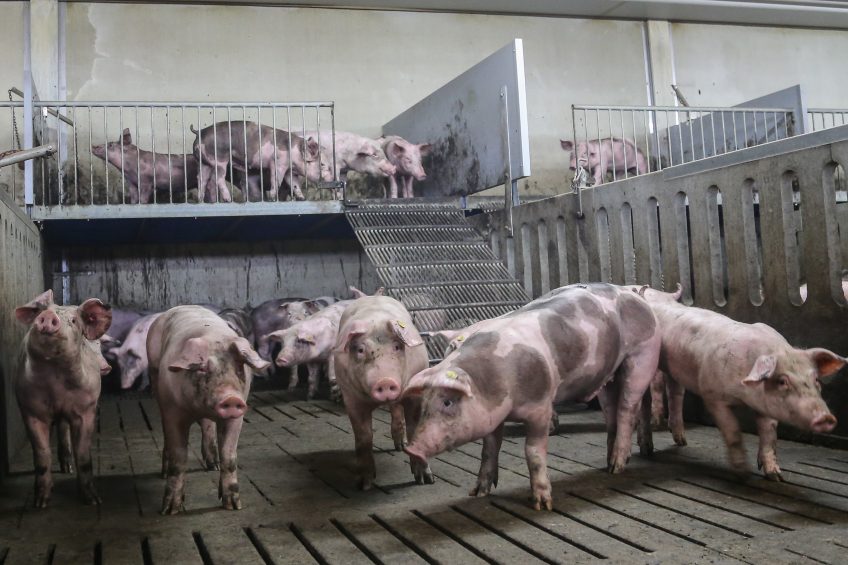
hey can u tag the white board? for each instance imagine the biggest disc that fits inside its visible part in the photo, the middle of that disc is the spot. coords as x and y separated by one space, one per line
464 120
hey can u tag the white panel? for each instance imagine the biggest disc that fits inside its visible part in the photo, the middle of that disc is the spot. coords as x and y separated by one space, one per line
464 122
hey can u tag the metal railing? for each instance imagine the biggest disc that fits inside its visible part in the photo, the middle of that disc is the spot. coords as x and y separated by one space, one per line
823 118
617 142
130 153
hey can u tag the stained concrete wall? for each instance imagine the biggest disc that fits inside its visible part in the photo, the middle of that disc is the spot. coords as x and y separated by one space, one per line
157 277
21 279
11 74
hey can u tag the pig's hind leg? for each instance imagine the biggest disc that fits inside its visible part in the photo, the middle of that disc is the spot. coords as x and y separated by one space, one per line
412 414
536 452
728 425
487 477
66 453
39 437
675 392
314 379
397 426
208 444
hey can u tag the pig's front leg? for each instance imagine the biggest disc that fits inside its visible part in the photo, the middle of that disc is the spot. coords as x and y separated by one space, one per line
66 453
363 434
412 414
39 437
675 393
294 378
657 412
314 370
767 454
536 452
335 391
393 186
176 459
208 444
407 187
608 399
228 487
488 475
728 425
82 431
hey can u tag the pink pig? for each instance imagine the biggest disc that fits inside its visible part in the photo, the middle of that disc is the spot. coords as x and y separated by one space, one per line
406 157
619 156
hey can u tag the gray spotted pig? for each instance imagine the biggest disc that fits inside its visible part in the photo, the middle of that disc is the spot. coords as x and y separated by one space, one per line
577 342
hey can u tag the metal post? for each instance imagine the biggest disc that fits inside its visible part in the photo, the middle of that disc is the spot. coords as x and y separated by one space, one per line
510 186
29 198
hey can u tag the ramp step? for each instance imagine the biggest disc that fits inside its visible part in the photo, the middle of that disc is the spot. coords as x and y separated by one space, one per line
437 264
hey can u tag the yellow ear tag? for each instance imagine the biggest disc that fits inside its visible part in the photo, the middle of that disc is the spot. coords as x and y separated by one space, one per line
461 338
450 374
401 324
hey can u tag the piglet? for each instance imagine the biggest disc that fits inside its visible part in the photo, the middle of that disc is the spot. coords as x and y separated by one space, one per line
378 349
200 371
58 379
406 157
577 342
729 363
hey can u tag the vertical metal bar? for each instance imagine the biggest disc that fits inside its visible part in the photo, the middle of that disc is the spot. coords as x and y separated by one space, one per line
244 149
624 141
185 154
679 136
91 162
123 169
318 135
201 182
76 160
152 150
29 188
745 127
723 135
735 138
597 131
230 139
106 137
633 127
291 149
712 130
691 134
756 134
261 164
612 148
137 157
303 155
276 189
576 185
215 137
333 134
507 156
44 180
59 184
168 147
786 116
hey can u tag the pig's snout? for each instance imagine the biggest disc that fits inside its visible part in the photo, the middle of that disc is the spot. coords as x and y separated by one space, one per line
282 361
386 390
48 322
388 169
824 423
231 408
421 176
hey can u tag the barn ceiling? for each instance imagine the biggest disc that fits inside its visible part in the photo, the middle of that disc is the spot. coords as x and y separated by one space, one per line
796 13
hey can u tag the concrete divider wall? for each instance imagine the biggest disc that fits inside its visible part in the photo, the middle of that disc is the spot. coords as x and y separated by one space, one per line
748 262
21 279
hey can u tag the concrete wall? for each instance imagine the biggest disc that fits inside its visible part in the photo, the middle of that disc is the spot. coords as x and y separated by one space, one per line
21 279
157 277
11 74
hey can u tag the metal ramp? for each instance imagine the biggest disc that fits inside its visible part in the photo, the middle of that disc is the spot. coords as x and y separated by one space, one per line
432 260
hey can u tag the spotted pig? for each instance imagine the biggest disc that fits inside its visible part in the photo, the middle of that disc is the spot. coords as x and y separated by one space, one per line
577 342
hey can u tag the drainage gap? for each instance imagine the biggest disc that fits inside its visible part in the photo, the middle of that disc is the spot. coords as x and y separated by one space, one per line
455 538
403 539
98 553
202 549
307 544
146 554
144 415
499 533
352 538
51 553
259 546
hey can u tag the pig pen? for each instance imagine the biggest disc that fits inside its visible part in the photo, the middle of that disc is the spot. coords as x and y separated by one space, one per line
742 233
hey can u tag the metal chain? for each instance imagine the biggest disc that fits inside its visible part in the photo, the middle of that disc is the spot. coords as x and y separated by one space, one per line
15 123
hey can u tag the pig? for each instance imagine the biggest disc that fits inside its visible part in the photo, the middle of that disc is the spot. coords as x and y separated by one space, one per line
577 342
58 380
200 371
729 363
131 355
269 317
355 153
249 147
406 157
378 349
612 154
146 173
239 321
311 341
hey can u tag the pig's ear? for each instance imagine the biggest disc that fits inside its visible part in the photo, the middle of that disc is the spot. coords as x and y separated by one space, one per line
447 334
312 306
96 318
126 137
763 368
193 357
406 332
27 313
312 148
305 336
275 337
356 292
396 149
827 362
380 291
356 329
677 293
425 149
452 379
241 347
567 145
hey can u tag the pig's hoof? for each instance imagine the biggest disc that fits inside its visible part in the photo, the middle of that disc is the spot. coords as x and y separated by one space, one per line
679 439
172 505
543 502
211 466
774 476
658 424
66 467
365 484
41 500
311 394
231 501
90 496
646 449
481 489
616 466
553 425
422 473
399 445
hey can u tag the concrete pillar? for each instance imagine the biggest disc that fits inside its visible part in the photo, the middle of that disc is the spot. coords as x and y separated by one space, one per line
44 47
661 61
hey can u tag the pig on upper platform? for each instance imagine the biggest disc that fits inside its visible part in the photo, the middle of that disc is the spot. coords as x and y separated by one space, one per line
572 344
58 381
200 371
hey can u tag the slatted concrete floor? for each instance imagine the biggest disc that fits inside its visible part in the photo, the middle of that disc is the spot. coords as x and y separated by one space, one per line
300 504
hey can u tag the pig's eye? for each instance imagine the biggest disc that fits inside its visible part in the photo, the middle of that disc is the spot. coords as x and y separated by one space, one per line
360 350
782 382
397 346
447 402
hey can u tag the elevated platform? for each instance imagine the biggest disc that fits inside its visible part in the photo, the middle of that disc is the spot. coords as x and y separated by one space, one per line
301 504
